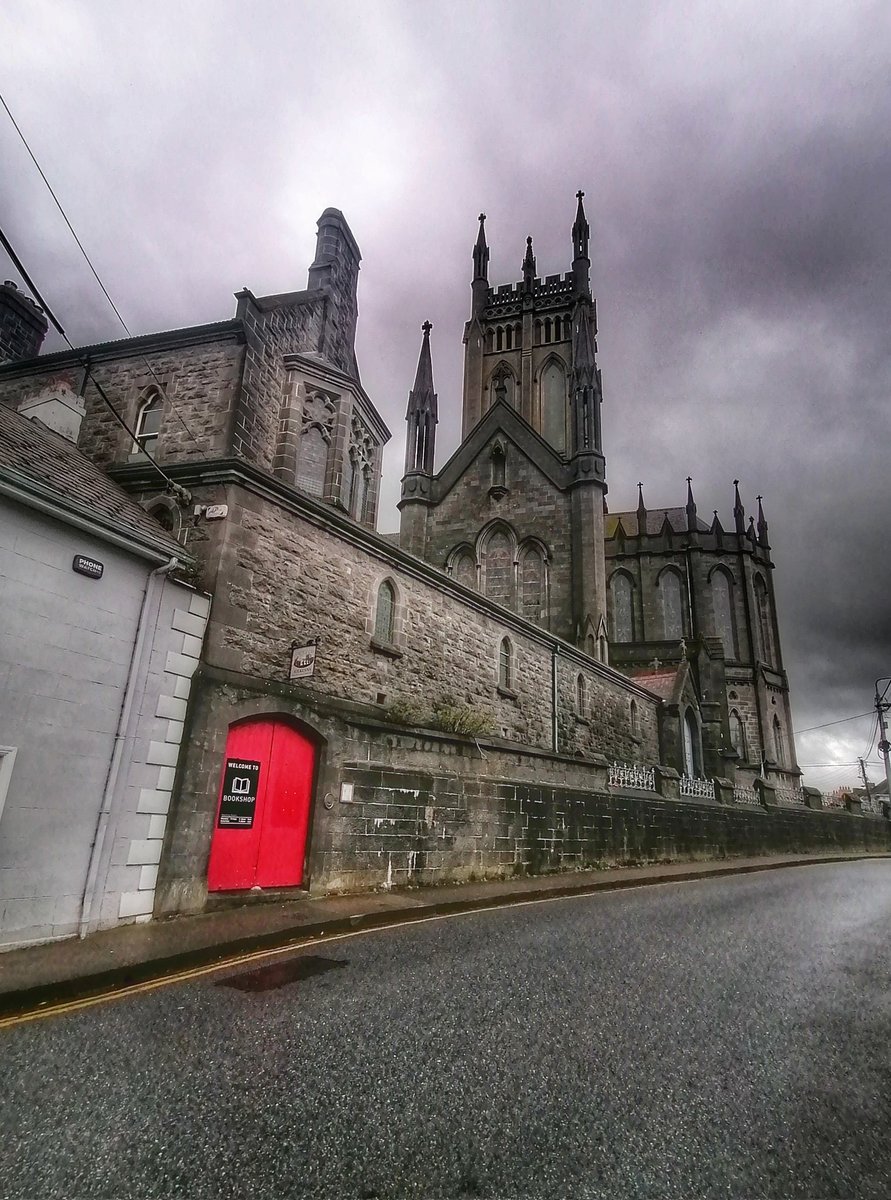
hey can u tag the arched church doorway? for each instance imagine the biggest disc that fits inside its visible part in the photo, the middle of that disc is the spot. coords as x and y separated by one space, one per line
259 837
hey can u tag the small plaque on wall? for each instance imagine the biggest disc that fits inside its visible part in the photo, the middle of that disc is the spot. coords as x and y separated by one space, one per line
303 661
90 567
239 800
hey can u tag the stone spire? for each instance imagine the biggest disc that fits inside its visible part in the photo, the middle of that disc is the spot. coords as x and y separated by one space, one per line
691 506
479 287
528 267
481 253
739 513
641 512
762 526
581 263
422 414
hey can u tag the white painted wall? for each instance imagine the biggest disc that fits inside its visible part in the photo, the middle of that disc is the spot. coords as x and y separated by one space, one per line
66 646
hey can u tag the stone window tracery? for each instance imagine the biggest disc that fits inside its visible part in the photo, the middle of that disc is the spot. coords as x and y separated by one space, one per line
622 607
317 425
672 606
361 459
722 604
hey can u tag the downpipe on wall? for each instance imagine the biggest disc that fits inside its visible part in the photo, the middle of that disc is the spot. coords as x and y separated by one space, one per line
135 685
554 729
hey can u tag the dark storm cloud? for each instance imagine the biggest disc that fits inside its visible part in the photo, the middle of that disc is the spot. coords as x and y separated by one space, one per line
738 178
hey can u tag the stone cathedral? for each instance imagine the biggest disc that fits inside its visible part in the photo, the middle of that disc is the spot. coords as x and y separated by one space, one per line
519 513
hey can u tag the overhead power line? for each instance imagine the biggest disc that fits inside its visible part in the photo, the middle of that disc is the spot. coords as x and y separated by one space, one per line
84 362
841 721
89 262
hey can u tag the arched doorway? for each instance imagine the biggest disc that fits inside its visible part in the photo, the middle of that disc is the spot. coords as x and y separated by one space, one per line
259 837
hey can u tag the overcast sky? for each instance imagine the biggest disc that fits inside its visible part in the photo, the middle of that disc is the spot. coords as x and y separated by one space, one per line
737 167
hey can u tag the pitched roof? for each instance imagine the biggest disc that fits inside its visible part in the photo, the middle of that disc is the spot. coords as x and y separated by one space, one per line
31 451
677 519
660 682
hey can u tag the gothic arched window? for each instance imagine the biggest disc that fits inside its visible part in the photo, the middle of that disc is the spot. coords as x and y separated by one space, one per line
738 735
532 597
622 607
148 423
312 461
779 743
635 727
765 632
672 606
692 750
722 605
581 699
499 569
506 665
464 569
553 405
385 613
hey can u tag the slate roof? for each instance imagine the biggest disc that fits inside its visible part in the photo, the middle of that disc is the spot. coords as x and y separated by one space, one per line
660 682
677 519
29 449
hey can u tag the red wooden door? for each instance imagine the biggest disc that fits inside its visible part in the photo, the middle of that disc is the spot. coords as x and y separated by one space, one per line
259 836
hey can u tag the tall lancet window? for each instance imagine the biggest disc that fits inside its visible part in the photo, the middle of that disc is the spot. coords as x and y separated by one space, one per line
722 604
313 461
553 405
532 584
765 632
672 606
622 608
499 569
779 743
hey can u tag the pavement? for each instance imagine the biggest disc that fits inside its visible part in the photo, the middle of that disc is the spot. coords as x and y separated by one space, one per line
74 968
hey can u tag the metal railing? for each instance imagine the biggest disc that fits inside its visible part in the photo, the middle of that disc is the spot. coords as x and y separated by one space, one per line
745 795
789 795
702 789
631 775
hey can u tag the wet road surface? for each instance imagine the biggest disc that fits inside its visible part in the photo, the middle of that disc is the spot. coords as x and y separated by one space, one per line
725 1038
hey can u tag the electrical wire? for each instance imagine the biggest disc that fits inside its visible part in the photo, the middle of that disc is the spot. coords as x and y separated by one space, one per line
89 262
84 362
826 725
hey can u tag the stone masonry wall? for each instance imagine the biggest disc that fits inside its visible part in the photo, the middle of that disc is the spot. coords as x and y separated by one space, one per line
279 578
393 806
201 381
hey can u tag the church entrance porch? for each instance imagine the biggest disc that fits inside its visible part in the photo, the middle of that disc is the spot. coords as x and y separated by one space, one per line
259 837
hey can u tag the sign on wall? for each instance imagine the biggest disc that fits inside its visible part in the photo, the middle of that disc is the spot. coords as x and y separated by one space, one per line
239 800
303 661
87 566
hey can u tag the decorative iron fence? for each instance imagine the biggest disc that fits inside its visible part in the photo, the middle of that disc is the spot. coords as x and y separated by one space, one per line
789 795
631 775
746 795
703 789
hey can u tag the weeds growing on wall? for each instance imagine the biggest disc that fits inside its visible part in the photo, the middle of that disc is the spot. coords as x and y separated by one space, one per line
444 714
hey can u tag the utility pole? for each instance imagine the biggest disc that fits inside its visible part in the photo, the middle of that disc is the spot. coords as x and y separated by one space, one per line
865 781
882 706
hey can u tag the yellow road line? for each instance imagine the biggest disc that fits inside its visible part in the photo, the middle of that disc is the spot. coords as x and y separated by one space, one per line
253 956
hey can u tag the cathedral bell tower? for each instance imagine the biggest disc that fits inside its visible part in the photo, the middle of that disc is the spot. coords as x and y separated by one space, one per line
532 345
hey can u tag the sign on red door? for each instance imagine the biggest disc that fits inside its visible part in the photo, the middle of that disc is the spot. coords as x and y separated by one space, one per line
259 837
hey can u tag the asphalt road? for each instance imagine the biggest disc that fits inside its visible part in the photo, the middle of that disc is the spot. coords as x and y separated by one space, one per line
723 1039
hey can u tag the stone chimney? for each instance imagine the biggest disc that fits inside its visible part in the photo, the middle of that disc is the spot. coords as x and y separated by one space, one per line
57 406
22 324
